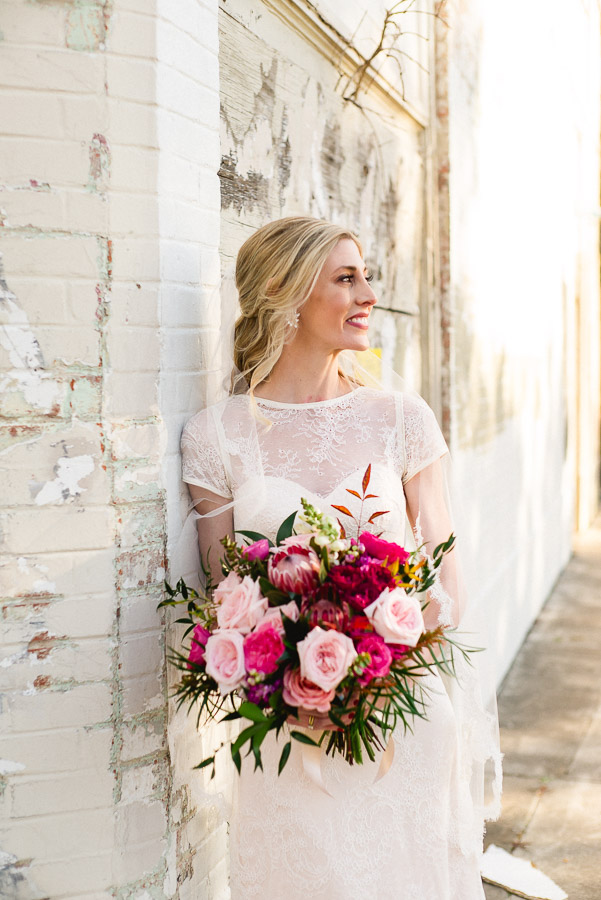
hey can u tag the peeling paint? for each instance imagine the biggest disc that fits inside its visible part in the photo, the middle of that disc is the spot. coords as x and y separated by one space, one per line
69 472
87 25
24 352
100 164
9 767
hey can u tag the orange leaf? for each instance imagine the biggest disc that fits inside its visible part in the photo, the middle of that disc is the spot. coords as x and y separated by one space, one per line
342 509
369 496
366 478
354 493
342 529
376 514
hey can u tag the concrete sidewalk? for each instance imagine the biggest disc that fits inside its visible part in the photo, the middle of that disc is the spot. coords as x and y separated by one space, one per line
550 712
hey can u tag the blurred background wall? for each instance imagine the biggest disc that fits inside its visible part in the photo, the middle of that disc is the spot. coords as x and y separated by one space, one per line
142 143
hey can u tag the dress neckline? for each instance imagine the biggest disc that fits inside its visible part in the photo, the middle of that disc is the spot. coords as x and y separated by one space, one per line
316 404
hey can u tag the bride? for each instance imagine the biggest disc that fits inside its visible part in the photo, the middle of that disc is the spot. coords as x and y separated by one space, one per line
307 426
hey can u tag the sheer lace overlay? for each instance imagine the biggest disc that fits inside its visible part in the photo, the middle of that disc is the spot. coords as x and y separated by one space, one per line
411 835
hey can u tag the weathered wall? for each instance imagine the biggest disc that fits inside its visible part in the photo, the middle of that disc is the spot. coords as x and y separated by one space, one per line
524 365
296 138
108 223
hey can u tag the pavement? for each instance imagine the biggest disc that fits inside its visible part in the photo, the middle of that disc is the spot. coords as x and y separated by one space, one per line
550 715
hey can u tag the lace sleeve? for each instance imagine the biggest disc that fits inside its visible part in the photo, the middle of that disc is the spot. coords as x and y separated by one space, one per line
423 440
202 460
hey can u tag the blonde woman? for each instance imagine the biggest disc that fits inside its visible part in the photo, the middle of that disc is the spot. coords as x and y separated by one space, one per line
307 427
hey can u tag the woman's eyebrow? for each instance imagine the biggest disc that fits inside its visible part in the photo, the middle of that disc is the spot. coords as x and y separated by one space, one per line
349 268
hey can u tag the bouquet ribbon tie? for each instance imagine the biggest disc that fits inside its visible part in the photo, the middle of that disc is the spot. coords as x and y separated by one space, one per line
311 757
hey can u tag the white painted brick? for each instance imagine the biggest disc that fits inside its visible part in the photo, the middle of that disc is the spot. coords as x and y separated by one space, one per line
180 262
74 573
186 221
134 349
48 709
59 751
133 394
141 740
75 876
57 69
75 210
131 79
66 162
88 660
84 789
183 137
134 168
135 259
28 113
44 302
133 214
142 694
132 123
21 23
134 304
184 306
182 95
48 255
139 613
132 34
86 115
86 832
141 654
60 528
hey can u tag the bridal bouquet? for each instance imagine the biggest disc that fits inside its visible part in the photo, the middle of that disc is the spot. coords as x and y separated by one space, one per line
317 622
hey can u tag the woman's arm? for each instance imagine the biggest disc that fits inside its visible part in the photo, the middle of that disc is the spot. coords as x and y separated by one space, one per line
430 518
211 529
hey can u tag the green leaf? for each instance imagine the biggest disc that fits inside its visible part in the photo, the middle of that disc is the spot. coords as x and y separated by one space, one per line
251 711
284 756
206 762
285 529
303 738
237 759
254 536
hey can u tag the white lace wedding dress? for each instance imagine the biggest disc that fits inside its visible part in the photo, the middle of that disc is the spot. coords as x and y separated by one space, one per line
410 835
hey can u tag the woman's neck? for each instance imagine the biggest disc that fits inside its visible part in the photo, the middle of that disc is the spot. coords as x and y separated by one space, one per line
303 378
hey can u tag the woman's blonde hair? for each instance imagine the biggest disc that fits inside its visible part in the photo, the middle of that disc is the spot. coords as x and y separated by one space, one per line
276 270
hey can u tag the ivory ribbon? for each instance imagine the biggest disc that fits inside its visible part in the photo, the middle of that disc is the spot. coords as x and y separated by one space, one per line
311 757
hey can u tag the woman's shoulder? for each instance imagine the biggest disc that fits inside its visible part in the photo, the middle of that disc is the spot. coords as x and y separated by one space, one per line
207 419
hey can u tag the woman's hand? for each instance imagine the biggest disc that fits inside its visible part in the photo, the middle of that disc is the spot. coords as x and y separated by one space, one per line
312 719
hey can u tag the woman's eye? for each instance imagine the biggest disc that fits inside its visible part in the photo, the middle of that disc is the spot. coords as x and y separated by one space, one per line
369 277
347 279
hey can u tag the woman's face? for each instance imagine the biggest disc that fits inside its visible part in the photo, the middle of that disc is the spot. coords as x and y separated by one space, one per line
336 313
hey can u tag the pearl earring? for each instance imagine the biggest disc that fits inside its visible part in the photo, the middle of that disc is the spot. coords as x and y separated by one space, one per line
293 323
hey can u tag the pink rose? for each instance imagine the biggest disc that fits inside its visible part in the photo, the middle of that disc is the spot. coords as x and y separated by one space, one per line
274 614
258 550
380 549
294 568
325 657
242 606
225 659
200 636
299 691
397 617
225 587
262 649
381 657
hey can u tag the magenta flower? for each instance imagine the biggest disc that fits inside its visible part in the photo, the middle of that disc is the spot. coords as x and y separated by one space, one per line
361 584
258 550
380 549
327 615
294 568
262 649
200 637
381 657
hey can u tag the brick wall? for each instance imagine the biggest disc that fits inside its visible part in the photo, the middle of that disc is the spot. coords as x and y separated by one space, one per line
109 208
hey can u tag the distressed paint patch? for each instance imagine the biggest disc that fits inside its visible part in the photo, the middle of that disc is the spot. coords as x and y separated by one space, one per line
9 767
69 472
87 25
100 164
14 880
25 355
242 191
